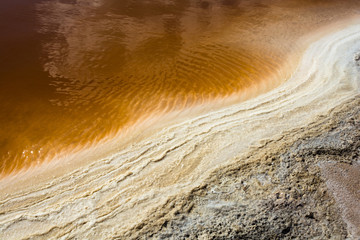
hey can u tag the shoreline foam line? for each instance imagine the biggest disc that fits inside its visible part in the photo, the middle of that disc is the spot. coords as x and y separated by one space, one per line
111 195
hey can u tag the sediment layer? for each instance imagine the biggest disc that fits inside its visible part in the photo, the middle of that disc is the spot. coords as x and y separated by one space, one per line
124 193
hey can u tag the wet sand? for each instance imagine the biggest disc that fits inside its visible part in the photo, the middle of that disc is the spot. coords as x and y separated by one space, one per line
108 197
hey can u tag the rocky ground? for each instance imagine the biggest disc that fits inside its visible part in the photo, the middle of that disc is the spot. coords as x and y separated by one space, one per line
304 185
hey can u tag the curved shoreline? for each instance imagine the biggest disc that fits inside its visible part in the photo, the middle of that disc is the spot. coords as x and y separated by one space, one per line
303 183
180 157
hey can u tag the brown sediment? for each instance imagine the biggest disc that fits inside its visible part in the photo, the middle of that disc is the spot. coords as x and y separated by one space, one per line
343 182
109 66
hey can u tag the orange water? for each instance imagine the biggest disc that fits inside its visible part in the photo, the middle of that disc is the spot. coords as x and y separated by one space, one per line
73 72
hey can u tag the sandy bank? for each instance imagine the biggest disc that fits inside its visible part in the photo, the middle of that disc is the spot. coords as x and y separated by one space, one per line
303 185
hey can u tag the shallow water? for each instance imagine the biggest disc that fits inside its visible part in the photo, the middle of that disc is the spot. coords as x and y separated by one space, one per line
74 72
148 181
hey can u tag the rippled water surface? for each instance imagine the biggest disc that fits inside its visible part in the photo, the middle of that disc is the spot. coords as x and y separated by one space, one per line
74 71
